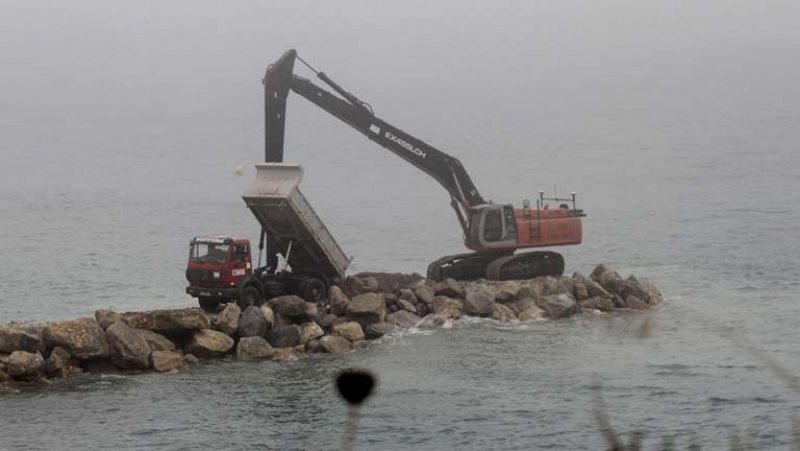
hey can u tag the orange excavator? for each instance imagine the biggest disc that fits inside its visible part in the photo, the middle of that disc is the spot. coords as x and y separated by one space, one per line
493 231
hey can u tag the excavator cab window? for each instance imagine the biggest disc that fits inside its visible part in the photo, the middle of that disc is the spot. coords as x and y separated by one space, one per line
493 225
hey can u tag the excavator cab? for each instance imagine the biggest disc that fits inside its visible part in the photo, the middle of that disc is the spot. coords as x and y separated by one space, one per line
492 226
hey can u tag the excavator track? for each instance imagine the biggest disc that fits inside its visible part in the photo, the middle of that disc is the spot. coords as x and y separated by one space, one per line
497 266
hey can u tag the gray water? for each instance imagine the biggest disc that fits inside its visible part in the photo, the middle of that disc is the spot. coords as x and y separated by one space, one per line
120 127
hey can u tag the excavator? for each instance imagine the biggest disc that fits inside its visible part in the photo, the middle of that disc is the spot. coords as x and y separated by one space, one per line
494 232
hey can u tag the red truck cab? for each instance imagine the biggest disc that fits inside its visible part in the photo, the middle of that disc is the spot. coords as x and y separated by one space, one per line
216 268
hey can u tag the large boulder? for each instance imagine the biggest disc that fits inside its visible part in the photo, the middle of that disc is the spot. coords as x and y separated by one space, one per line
609 279
350 330
106 318
600 303
586 288
253 348
156 341
338 301
432 321
207 343
655 295
533 289
450 288
478 300
506 291
14 338
310 331
403 304
57 361
128 349
407 294
532 312
165 361
269 315
425 293
503 313
284 337
328 321
23 365
83 338
227 321
559 305
334 344
366 309
386 282
642 289
170 322
377 330
634 303
521 304
403 319
252 323
559 285
290 307
447 307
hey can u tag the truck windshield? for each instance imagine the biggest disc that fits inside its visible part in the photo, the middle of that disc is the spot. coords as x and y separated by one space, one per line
209 253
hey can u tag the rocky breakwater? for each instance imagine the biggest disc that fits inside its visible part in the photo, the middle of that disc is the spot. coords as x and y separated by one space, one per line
366 307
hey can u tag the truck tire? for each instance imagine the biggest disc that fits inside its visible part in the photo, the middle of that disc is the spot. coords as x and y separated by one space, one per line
250 296
208 304
312 290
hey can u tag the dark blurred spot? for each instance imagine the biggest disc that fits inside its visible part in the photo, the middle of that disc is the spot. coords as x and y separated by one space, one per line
355 385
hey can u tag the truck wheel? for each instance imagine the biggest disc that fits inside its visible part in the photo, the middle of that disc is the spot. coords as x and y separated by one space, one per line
250 296
208 304
312 290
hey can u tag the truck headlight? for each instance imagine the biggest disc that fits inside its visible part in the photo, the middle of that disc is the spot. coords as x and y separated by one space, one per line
216 274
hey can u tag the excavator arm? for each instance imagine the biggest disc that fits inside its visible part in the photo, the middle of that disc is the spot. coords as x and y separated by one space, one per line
445 169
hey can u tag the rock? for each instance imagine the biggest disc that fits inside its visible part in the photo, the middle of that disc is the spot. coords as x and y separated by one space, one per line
507 291
328 321
406 294
390 300
128 349
450 288
83 338
531 313
593 289
655 295
447 307
253 348
106 318
432 321
609 279
559 305
14 338
290 307
156 341
362 284
503 313
269 315
338 301
334 344
597 303
521 304
284 337
166 361
634 303
57 361
403 319
289 353
23 365
311 311
367 309
377 330
228 319
191 359
478 300
386 282
350 330
633 286
310 331
402 304
313 346
170 322
533 289
423 309
3 376
252 323
208 344
425 293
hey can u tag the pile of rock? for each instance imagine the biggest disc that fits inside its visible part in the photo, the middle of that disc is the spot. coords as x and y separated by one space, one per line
367 307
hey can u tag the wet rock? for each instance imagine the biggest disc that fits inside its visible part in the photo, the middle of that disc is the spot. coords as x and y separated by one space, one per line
425 294
632 286
284 337
402 304
447 307
503 313
23 365
252 323
338 301
156 341
166 361
83 338
367 309
326 322
377 330
289 353
350 330
14 338
208 344
106 318
532 312
334 344
521 304
559 305
269 315
312 347
227 321
253 348
478 300
655 295
170 322
128 349
634 303
450 288
290 307
597 303
432 321
191 359
403 319
310 331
